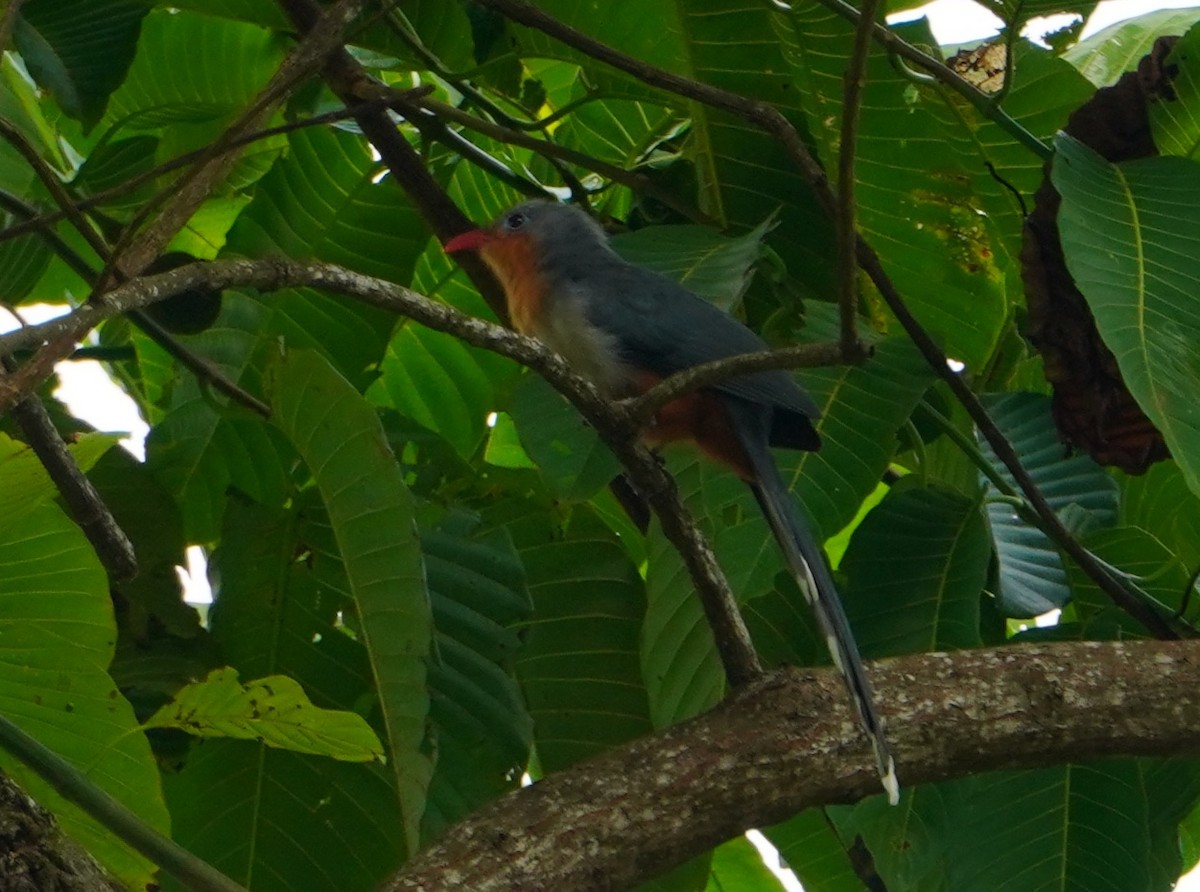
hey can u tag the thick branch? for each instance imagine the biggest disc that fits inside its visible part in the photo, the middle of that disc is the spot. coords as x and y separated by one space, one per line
790 742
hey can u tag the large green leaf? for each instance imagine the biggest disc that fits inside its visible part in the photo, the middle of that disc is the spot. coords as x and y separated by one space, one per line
1175 120
1150 566
914 173
1129 232
915 571
571 457
1110 52
434 378
862 409
57 637
711 265
808 843
1103 826
198 450
227 64
278 821
371 511
738 867
484 731
79 49
579 668
1159 502
1032 577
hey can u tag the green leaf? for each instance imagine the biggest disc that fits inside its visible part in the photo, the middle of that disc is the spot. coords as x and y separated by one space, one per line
1129 233
1112 51
267 817
572 459
278 821
1160 503
227 64
197 451
915 570
1102 826
808 843
580 668
80 50
111 164
1032 578
716 267
1175 120
272 710
862 409
24 483
915 171
484 731
1016 13
738 867
445 385
1151 567
371 511
57 636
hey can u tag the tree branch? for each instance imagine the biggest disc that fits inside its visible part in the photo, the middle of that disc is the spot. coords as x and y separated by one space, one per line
844 220
644 406
353 86
612 422
789 742
82 500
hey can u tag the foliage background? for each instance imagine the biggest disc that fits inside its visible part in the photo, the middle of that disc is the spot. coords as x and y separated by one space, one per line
422 536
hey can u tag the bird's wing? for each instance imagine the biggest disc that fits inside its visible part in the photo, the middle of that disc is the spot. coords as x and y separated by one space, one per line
664 328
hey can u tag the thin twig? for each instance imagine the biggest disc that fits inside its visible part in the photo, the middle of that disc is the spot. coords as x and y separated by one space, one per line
11 10
635 181
644 406
940 71
138 180
54 186
845 220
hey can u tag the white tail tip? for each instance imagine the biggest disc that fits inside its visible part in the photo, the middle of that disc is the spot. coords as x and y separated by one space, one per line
891 783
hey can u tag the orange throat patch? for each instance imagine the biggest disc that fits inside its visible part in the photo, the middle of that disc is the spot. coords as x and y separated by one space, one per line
512 258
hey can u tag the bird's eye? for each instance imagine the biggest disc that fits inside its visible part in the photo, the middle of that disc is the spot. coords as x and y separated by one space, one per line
514 221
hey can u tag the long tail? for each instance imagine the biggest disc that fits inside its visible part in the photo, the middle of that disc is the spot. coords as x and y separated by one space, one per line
807 563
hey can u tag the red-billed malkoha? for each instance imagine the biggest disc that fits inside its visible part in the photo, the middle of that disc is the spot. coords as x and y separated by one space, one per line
626 329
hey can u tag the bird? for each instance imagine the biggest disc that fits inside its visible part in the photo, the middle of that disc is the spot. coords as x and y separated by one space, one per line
626 328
